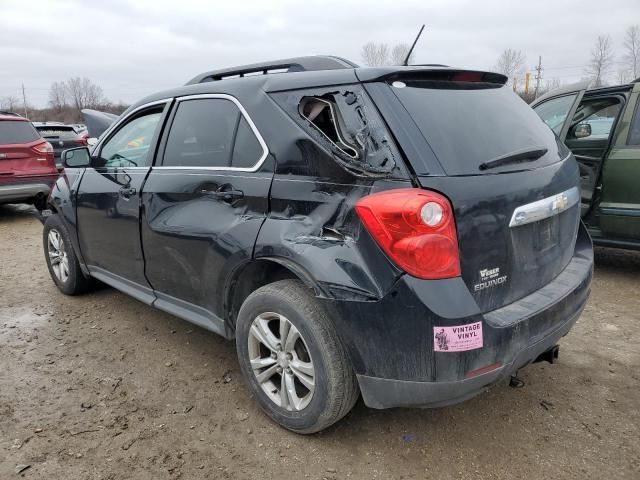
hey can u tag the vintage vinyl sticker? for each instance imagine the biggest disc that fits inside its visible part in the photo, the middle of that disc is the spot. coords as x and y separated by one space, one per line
457 339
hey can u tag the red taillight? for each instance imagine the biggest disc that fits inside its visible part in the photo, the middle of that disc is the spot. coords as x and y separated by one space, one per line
43 148
415 228
81 141
46 149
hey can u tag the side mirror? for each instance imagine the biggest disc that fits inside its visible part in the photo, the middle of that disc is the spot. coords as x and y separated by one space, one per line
91 141
582 130
76 158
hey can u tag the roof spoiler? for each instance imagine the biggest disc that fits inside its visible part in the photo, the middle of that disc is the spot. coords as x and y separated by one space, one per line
439 73
296 64
97 122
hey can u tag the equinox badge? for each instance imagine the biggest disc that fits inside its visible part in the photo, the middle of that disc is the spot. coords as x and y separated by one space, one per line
489 277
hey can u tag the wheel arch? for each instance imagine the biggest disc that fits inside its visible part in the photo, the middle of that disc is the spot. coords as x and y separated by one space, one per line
256 273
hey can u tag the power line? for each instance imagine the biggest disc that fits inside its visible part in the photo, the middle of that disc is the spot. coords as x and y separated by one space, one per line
24 102
538 77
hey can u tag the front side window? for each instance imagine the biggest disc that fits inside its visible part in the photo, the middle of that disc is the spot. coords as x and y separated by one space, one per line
553 112
211 132
130 145
598 115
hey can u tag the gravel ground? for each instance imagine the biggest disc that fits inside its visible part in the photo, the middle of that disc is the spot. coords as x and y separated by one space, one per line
103 387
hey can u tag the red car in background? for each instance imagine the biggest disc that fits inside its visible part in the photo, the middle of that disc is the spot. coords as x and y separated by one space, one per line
27 165
61 137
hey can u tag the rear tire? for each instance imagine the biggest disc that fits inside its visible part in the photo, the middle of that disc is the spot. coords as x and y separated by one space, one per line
61 259
314 369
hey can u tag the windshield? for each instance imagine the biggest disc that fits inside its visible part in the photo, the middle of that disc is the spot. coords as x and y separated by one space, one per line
17 132
467 124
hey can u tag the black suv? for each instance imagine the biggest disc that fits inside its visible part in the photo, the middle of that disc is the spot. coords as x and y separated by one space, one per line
410 234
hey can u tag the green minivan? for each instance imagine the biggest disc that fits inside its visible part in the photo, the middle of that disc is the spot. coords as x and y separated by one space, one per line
601 126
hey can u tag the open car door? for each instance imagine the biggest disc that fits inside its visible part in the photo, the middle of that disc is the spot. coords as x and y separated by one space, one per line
557 109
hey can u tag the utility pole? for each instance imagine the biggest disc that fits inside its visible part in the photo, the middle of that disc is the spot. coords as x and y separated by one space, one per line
24 102
538 77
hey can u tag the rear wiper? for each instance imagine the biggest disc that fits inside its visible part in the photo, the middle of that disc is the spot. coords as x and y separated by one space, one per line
527 155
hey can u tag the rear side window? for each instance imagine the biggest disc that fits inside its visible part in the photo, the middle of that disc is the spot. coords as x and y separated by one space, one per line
17 132
211 132
246 149
467 124
58 132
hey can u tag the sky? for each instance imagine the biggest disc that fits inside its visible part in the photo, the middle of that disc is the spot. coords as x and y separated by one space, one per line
134 48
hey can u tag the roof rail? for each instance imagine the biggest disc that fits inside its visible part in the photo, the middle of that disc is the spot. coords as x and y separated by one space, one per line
5 112
297 64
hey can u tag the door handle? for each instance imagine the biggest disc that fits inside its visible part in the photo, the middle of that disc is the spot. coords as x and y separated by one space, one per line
225 193
229 196
127 192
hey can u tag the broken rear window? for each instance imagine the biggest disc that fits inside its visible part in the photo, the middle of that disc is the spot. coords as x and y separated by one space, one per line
344 121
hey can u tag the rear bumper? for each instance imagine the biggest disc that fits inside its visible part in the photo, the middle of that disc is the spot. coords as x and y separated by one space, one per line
15 193
387 393
395 361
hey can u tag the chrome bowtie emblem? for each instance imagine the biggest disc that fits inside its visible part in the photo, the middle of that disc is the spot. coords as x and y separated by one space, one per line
560 203
545 208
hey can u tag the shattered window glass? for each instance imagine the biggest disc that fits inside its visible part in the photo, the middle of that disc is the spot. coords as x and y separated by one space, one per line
345 122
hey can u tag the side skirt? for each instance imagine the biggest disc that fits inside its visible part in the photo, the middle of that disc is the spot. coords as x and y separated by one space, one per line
190 312
181 309
137 291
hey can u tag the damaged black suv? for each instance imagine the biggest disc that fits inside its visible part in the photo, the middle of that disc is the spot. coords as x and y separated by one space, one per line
408 234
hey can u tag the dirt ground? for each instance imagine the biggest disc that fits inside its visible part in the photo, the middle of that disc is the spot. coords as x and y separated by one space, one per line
103 387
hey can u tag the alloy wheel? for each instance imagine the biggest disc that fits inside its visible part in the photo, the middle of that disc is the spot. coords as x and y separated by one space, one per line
281 361
58 255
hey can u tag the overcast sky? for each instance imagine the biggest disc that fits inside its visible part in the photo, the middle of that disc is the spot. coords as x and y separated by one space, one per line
133 48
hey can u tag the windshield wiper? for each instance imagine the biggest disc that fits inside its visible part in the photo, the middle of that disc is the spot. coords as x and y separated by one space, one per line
527 155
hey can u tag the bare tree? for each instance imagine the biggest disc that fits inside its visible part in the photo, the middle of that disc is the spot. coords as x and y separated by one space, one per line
510 62
623 75
552 84
10 103
601 60
58 96
83 93
375 54
632 49
399 53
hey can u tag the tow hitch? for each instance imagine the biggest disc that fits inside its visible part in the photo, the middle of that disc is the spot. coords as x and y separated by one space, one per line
550 355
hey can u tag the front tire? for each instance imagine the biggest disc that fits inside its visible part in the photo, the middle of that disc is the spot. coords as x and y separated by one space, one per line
292 358
61 259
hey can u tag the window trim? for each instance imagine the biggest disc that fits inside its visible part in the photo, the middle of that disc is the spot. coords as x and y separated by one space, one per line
119 123
254 129
635 116
107 134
